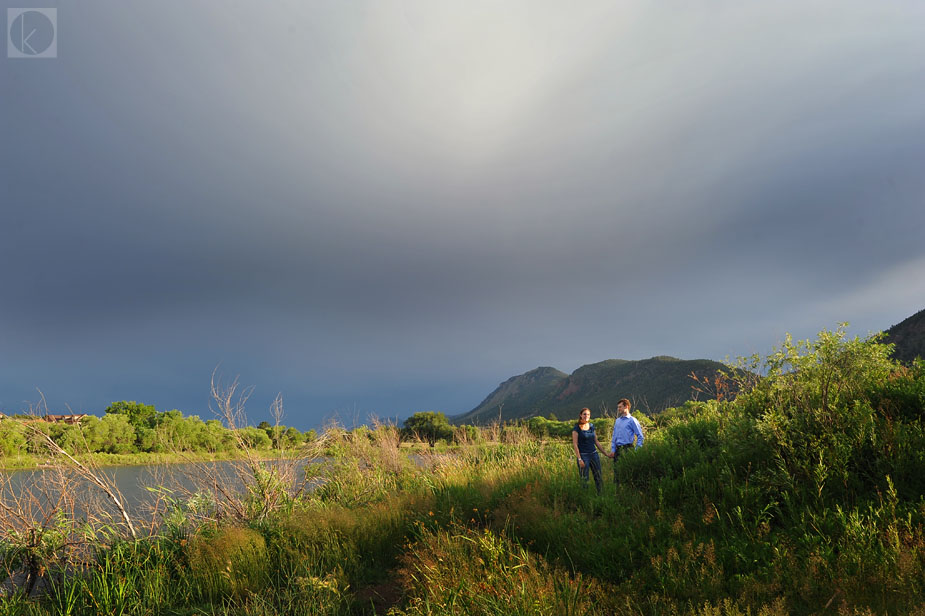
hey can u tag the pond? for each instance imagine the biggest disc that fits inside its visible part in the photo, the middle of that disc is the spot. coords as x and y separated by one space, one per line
140 488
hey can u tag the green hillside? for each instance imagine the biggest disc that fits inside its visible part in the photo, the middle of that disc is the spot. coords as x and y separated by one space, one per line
651 384
909 337
801 496
524 395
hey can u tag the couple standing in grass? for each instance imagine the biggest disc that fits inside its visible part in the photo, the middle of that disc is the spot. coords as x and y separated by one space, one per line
584 442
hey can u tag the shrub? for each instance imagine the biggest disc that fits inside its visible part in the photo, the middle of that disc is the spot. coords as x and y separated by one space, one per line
466 434
12 437
228 561
430 426
813 410
466 571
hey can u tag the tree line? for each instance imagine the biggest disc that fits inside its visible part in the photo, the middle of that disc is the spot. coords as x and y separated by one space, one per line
434 427
128 427
132 427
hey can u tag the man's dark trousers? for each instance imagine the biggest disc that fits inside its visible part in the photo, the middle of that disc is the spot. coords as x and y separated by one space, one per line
616 456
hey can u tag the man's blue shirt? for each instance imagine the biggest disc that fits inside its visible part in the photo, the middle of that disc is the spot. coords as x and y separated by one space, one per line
624 428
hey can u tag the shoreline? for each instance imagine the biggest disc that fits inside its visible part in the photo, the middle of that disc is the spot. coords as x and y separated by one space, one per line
13 464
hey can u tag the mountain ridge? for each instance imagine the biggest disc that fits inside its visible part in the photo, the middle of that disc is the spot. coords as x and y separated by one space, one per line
908 336
651 384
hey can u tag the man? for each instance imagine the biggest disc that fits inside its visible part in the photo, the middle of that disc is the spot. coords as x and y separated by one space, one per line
625 428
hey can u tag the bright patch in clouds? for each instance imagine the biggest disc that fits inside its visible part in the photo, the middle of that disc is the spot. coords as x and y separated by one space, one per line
394 206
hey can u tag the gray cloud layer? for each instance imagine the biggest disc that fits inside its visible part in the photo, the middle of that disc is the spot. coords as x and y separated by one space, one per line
390 206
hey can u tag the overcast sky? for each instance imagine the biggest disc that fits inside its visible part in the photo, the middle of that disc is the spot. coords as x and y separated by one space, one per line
384 207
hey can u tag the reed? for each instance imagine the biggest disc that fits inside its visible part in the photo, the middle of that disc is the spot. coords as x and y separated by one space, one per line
798 497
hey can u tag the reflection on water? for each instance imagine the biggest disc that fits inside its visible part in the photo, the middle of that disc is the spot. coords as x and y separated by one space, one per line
141 487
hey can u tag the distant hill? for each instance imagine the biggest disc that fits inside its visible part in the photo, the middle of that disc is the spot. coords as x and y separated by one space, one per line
651 384
909 337
519 396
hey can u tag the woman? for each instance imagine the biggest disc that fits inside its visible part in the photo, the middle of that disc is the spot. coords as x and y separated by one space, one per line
584 441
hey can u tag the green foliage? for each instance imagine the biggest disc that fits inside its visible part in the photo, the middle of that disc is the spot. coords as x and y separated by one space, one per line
34 550
36 432
467 571
139 415
815 376
131 427
291 437
901 396
801 496
908 338
542 427
466 434
255 438
603 427
651 384
138 577
12 437
430 426
111 434
17 604
228 561
818 412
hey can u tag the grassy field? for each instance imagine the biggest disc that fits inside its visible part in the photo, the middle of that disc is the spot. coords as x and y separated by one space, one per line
803 495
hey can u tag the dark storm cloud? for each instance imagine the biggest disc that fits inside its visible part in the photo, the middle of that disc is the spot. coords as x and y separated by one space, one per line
385 208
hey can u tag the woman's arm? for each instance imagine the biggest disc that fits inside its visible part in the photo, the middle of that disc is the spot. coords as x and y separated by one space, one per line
601 447
575 447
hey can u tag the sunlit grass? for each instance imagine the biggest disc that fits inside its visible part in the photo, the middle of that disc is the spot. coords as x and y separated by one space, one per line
718 515
509 529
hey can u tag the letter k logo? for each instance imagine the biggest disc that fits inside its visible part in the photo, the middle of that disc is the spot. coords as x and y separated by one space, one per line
32 33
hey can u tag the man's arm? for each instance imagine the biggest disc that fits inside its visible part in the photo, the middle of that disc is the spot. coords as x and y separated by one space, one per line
613 437
638 430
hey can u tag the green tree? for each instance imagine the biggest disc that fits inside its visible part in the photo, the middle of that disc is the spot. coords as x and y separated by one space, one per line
255 438
222 437
178 433
430 426
275 432
146 439
12 437
292 437
68 436
139 415
815 417
466 433
35 437
111 434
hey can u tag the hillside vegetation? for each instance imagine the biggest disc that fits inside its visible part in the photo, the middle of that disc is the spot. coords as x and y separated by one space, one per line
908 337
802 495
651 385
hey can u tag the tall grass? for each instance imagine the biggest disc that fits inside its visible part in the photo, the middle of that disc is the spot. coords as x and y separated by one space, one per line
802 496
461 570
